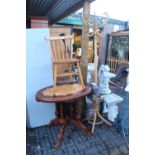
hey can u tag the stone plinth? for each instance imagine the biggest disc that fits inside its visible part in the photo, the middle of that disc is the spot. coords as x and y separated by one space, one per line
111 101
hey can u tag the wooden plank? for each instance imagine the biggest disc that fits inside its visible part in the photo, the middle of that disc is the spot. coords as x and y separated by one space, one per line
85 40
55 79
54 51
59 37
38 22
73 60
58 49
66 53
120 33
68 74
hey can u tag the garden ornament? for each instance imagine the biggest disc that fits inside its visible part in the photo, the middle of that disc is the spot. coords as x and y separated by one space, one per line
104 75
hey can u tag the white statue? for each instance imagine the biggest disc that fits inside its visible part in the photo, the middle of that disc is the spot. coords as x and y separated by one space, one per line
104 78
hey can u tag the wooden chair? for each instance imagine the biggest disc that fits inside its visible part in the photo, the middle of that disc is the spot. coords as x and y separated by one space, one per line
61 53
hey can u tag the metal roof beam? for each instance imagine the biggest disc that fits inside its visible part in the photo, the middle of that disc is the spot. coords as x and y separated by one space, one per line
67 12
54 9
55 5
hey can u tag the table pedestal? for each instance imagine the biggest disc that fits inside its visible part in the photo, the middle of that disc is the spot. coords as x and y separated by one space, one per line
65 117
67 108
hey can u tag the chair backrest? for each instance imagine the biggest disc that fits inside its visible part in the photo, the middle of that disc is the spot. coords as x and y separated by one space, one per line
60 47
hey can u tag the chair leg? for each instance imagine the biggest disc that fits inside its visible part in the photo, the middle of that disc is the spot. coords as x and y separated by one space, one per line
70 69
80 74
55 79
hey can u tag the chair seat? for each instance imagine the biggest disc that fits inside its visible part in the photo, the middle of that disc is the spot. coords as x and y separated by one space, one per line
68 60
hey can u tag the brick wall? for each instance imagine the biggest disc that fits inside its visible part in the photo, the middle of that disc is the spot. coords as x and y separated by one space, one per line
103 43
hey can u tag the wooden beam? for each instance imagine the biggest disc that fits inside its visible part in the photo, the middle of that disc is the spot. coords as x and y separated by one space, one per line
38 22
120 33
85 40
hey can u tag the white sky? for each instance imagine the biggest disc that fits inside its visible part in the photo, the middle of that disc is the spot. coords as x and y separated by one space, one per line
116 9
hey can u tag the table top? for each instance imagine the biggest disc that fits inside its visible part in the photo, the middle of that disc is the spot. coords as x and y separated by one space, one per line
41 96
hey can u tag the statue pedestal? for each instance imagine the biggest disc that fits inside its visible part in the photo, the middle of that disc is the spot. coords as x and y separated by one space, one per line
111 101
105 90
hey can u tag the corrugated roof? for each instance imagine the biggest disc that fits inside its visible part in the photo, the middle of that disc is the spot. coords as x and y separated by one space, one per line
53 9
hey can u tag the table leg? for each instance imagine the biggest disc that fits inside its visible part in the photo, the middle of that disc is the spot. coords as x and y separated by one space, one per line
79 125
57 112
58 121
60 135
77 122
61 111
52 123
78 110
71 110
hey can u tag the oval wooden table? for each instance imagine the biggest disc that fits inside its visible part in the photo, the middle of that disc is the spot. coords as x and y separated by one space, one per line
67 109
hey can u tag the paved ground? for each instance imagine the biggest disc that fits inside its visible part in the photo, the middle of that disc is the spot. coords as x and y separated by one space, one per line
105 140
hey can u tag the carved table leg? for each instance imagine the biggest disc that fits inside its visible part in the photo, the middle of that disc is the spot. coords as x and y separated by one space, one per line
78 110
77 122
52 123
57 111
79 125
58 121
71 110
60 135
